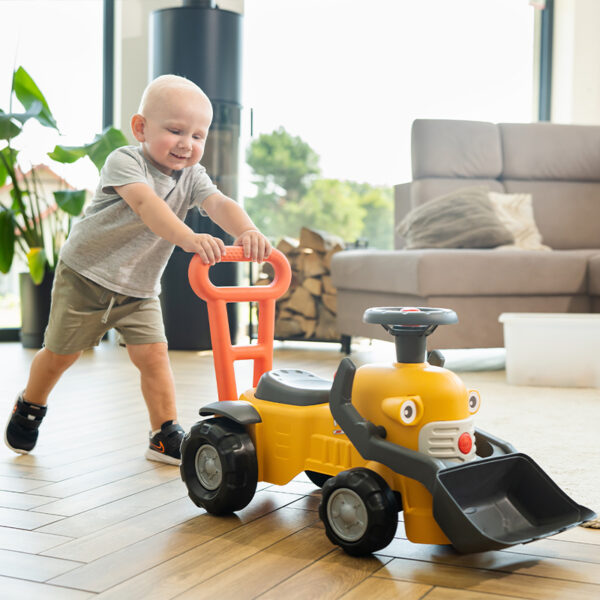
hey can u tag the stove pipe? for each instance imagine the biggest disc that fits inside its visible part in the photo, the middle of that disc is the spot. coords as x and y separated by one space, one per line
203 43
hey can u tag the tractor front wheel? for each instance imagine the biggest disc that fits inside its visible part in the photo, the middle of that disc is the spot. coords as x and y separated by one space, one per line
359 511
218 465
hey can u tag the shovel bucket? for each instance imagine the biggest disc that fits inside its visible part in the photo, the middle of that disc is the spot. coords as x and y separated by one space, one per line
501 501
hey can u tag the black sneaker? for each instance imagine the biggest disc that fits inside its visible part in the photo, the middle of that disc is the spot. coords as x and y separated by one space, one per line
165 446
22 428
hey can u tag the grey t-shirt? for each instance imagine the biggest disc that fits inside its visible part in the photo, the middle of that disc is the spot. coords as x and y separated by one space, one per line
111 245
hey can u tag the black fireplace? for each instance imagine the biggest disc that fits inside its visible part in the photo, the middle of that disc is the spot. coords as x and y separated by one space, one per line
203 43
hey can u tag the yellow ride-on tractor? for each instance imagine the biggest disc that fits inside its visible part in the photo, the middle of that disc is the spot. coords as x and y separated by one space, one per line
378 439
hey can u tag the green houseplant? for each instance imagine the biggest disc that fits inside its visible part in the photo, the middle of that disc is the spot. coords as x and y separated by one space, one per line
33 222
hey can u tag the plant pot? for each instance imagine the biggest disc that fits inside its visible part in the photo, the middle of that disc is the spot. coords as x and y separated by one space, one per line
35 308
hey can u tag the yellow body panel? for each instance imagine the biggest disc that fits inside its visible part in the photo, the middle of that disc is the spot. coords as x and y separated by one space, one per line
292 439
443 396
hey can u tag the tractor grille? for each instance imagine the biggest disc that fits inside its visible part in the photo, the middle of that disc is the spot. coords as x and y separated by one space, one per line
439 439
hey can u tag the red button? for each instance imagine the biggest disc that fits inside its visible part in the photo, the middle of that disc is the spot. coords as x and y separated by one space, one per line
465 443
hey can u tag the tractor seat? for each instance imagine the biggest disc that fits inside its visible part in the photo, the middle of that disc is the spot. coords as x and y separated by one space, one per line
293 386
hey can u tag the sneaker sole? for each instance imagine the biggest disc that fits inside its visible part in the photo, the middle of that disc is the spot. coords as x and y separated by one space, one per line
163 458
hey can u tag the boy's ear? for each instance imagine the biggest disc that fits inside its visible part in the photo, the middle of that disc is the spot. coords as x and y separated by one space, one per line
137 127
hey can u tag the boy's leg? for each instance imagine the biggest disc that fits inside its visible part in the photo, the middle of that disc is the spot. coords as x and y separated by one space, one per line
156 377
158 389
44 373
30 407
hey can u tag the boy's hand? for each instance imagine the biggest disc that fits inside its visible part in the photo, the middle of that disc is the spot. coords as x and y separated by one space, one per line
256 246
209 248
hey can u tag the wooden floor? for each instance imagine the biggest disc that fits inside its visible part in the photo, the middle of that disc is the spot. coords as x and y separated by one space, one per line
87 516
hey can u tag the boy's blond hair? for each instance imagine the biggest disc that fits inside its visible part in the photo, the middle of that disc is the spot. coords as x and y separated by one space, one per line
163 83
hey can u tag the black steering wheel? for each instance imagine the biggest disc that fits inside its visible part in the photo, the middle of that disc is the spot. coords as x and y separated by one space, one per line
409 316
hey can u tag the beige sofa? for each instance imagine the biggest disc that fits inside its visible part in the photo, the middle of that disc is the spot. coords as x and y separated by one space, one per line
558 164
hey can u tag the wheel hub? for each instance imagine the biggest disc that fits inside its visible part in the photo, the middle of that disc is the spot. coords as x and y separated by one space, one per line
208 467
347 514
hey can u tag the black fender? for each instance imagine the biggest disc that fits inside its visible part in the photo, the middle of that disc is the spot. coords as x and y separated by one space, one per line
240 411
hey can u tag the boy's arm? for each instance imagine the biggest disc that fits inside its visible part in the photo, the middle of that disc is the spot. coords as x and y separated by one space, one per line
161 220
231 217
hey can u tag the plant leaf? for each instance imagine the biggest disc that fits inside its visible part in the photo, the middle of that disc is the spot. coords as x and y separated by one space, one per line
7 240
3 170
110 139
8 129
28 93
71 201
67 154
104 144
36 259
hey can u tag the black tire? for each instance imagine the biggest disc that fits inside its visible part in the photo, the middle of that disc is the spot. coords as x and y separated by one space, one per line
318 479
359 511
218 465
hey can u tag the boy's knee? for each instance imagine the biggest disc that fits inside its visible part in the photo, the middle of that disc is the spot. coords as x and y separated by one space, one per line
60 362
149 356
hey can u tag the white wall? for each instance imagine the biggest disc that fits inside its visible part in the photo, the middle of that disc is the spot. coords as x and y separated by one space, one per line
576 62
132 24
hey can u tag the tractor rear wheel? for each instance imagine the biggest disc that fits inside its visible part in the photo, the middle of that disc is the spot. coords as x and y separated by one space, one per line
359 511
218 465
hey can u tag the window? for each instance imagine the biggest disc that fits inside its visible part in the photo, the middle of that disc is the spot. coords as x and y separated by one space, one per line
59 43
349 77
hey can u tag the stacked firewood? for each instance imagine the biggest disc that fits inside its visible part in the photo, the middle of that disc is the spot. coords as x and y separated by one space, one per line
308 309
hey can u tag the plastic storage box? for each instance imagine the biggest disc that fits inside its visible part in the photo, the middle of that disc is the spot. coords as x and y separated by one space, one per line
552 349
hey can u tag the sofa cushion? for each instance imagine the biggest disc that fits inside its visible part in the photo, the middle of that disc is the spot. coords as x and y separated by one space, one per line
549 151
447 148
460 272
515 212
567 213
427 189
594 275
462 219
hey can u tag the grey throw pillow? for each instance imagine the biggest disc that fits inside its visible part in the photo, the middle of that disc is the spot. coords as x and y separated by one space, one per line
462 219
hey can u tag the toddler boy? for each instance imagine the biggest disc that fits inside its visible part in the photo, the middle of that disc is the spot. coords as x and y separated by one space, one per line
110 267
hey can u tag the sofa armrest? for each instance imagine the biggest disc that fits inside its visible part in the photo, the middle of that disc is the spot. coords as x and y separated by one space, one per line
402 205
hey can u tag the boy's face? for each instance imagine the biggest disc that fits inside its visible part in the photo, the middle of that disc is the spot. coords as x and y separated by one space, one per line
174 128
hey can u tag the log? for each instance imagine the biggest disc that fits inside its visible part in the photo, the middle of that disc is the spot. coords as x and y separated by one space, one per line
314 285
286 313
328 287
288 328
308 326
263 279
302 302
330 302
326 326
319 240
267 270
313 266
287 245
329 255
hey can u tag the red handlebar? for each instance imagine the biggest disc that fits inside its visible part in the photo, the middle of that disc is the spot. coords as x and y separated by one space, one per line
217 297
202 286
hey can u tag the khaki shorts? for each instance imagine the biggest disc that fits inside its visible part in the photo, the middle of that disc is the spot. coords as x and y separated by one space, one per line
83 311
